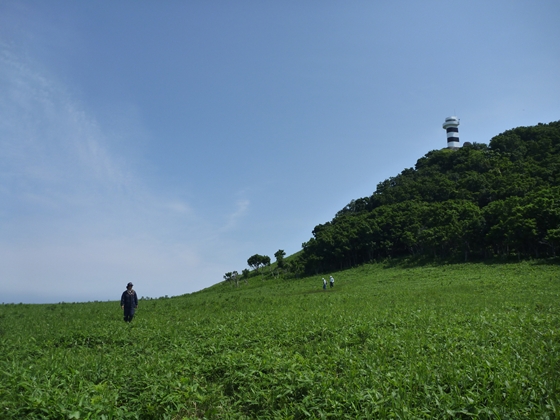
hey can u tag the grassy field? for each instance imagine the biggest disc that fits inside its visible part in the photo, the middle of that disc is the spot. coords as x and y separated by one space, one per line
454 341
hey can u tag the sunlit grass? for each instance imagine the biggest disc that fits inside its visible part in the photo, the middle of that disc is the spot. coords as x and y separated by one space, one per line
455 341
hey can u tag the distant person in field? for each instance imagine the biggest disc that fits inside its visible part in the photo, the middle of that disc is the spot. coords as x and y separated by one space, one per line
324 284
129 302
331 281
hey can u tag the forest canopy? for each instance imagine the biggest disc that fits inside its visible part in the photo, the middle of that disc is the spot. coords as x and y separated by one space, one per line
480 200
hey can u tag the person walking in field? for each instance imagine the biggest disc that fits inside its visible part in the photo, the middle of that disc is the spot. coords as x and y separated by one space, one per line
129 302
331 281
324 284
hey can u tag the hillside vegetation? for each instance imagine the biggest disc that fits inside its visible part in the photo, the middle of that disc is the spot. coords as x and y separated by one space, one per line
452 341
479 201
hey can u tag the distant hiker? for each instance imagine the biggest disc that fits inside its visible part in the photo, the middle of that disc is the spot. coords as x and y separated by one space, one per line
324 284
331 281
129 302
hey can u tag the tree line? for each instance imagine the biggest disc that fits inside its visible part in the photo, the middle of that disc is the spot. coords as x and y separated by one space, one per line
257 261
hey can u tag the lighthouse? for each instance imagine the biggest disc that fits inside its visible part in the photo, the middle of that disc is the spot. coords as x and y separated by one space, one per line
451 125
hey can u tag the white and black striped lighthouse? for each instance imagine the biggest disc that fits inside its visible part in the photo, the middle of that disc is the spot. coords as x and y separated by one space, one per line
451 125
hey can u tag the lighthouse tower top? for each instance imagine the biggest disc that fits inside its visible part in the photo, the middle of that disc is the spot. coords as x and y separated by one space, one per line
451 122
451 126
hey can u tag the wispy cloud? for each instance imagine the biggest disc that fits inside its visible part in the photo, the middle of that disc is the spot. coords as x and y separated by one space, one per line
76 221
240 208
47 140
178 207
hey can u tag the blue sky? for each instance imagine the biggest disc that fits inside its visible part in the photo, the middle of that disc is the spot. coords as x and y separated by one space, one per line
164 143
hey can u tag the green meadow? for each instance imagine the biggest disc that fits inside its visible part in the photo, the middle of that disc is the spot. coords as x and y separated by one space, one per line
388 341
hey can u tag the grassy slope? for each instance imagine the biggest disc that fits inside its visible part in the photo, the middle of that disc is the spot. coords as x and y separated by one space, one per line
467 340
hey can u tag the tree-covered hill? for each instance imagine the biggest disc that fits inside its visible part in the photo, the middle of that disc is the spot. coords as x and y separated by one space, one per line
482 200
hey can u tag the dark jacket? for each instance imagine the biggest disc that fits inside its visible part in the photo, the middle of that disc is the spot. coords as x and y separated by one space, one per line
129 301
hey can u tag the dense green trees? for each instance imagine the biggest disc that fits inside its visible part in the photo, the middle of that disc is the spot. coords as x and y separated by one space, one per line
499 199
481 200
256 261
280 254
232 277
